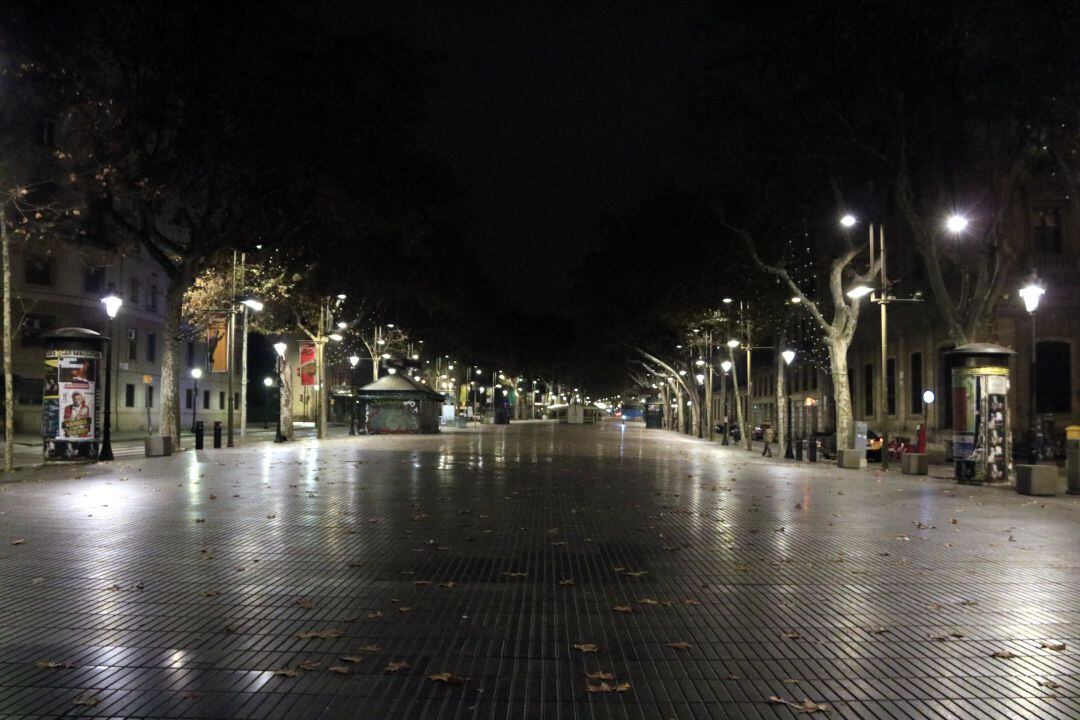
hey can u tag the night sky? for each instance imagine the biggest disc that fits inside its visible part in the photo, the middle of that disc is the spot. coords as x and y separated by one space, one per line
550 115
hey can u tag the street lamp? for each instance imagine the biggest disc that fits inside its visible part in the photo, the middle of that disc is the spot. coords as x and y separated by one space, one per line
956 223
726 367
268 382
112 302
196 373
789 357
848 220
1031 294
860 290
279 348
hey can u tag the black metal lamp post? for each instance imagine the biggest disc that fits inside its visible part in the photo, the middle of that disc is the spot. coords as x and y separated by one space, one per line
354 360
789 357
268 383
112 302
1031 294
196 373
279 348
726 367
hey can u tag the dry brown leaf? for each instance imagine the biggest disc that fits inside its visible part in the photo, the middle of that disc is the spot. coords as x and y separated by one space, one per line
396 666
285 672
877 630
302 603
1003 654
448 678
404 609
339 669
210 593
586 647
374 615
1050 684
600 675
691 601
791 635
52 665
320 634
623 609
1058 647
648 601
308 665
636 573
20 541
605 688
369 649
680 645
566 582
88 700
421 582
448 584
515 574
350 658
806 706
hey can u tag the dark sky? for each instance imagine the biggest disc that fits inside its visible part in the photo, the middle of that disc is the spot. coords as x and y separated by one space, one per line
551 115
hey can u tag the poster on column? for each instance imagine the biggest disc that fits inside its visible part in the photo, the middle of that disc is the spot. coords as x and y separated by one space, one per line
70 404
307 363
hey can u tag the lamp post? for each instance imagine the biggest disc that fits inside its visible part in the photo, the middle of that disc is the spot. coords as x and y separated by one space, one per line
196 373
279 348
268 382
354 360
726 367
112 302
789 357
1031 294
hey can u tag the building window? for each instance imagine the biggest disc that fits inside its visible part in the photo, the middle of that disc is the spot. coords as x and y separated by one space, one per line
94 280
890 385
1053 391
133 344
1046 233
205 399
868 390
149 396
189 396
129 395
134 290
38 269
151 299
915 383
191 354
33 327
221 400
151 347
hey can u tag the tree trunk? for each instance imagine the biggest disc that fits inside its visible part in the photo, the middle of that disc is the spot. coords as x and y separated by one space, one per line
9 378
781 394
170 357
738 402
285 400
680 409
695 412
665 413
841 389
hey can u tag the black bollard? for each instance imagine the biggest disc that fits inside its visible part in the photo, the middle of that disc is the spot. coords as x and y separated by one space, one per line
217 434
199 433
798 449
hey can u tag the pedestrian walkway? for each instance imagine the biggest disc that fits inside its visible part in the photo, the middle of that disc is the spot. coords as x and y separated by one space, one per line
530 571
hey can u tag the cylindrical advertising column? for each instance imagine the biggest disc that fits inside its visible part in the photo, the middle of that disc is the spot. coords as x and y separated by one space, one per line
73 396
982 447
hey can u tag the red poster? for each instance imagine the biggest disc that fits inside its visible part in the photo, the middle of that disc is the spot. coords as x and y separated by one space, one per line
307 363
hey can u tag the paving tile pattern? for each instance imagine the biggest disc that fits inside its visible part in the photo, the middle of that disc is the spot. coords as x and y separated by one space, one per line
174 587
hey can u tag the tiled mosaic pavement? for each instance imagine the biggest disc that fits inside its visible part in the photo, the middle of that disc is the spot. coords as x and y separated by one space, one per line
362 568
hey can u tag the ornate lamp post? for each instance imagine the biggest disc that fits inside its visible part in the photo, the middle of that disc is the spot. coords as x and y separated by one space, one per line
196 373
726 367
354 360
789 357
268 382
1031 294
112 302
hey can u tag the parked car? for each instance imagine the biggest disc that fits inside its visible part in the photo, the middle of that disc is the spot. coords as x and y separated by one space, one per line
873 446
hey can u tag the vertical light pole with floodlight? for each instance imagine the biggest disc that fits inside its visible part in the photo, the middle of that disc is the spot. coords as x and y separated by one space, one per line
112 302
1031 294
196 373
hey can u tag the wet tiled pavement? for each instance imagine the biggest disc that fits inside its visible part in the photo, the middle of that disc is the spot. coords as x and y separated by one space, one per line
174 587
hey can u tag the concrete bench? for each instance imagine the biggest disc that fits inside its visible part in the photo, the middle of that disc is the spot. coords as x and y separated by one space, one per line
1036 479
850 458
914 464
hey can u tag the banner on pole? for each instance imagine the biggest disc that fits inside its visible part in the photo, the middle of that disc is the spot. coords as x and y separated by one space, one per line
307 363
217 344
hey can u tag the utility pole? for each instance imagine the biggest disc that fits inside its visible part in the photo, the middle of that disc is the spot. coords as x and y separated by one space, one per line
243 360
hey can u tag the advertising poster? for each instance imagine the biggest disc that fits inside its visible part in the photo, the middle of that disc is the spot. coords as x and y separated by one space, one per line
217 345
997 463
70 422
307 363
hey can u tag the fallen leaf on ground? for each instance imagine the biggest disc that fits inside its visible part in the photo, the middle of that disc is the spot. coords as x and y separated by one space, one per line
623 609
586 647
792 635
210 593
648 601
680 645
448 584
1050 684
1052 646
404 609
448 678
369 649
691 601
339 669
302 603
605 688
1003 654
308 665
321 634
285 672
351 658
20 541
515 574
86 700
52 665
396 666
374 615
566 582
806 706
878 630
636 573
600 675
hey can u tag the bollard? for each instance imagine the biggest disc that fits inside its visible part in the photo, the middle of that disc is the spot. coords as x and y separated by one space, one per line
217 434
798 449
811 446
199 433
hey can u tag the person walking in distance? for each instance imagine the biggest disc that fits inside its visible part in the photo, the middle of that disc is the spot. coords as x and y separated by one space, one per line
767 436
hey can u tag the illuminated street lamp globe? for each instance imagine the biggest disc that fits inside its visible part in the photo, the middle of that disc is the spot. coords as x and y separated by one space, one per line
279 348
956 223
112 302
848 220
789 356
725 366
268 381
354 360
733 343
1031 294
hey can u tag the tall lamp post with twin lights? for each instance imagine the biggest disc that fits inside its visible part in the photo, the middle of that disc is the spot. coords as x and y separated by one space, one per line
112 302
1031 294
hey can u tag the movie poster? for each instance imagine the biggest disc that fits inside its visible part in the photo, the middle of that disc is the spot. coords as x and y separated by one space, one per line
69 421
307 363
